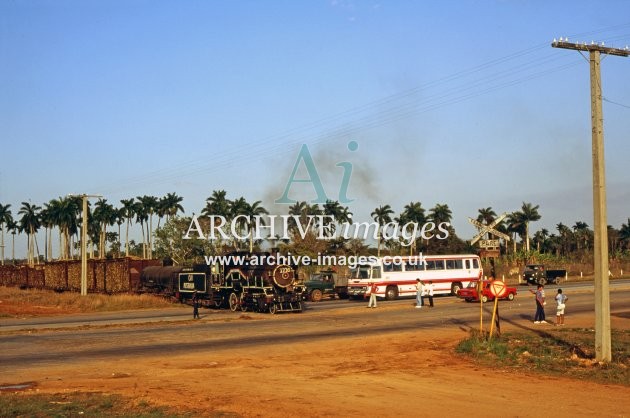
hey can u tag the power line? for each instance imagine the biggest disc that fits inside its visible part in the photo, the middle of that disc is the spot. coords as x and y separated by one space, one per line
615 103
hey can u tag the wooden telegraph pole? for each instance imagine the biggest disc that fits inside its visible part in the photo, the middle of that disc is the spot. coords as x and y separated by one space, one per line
602 293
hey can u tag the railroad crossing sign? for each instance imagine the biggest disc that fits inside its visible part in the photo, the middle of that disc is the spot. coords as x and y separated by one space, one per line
483 229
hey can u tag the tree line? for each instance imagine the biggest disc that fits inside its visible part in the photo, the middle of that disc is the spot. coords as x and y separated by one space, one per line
106 221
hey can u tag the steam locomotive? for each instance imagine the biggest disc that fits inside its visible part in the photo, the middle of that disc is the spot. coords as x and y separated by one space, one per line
246 282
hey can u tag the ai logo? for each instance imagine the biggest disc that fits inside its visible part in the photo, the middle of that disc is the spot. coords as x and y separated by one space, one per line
313 177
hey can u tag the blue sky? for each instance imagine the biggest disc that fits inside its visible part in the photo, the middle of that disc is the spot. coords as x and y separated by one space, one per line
463 103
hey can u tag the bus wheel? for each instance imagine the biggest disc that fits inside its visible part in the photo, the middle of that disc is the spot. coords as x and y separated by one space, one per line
233 302
391 293
455 288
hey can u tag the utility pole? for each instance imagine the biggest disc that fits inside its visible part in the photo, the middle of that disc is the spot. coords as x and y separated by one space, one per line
84 226
603 350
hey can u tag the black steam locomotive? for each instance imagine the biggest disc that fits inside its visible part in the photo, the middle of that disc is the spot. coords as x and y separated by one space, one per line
246 281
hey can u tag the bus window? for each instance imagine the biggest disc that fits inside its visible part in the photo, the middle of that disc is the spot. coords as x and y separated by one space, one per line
454 265
361 273
435 264
467 264
376 273
387 267
475 263
414 265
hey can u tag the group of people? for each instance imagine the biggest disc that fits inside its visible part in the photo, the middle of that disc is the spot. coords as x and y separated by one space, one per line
423 290
561 299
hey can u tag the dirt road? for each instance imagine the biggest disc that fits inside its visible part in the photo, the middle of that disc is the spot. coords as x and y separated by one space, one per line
404 373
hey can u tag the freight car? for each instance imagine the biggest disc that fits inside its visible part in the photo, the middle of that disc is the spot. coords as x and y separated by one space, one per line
160 280
246 281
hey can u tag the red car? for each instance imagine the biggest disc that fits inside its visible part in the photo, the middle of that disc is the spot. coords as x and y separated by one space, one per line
469 293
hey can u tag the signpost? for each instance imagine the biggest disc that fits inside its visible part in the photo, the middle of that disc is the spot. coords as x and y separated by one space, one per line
498 289
490 248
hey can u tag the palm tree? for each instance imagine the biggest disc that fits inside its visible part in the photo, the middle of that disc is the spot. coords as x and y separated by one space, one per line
381 215
68 216
128 213
149 204
303 210
104 215
486 216
30 223
142 215
173 205
250 211
238 207
12 227
333 209
52 210
582 234
48 223
217 204
515 225
613 239
564 233
412 212
440 214
530 214
120 219
540 238
5 218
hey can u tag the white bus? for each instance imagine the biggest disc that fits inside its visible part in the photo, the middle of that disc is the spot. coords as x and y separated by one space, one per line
396 276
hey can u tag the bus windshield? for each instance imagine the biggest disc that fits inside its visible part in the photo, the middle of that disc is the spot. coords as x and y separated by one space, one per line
366 272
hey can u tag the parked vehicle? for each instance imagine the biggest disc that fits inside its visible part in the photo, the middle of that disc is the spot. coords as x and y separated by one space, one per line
538 274
395 276
470 293
326 283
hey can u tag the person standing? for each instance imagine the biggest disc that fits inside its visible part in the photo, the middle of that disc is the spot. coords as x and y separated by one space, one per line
419 288
539 318
195 303
373 288
561 300
430 293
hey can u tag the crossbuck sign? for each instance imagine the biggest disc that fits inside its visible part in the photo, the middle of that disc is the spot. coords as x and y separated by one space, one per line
488 229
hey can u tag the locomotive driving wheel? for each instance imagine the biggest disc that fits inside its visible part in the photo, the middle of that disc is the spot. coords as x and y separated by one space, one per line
234 302
242 303
273 308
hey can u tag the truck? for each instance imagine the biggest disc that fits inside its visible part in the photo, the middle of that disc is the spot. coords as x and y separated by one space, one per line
326 283
538 274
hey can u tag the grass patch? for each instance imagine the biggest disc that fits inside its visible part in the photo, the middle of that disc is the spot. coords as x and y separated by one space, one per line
33 302
79 404
565 351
